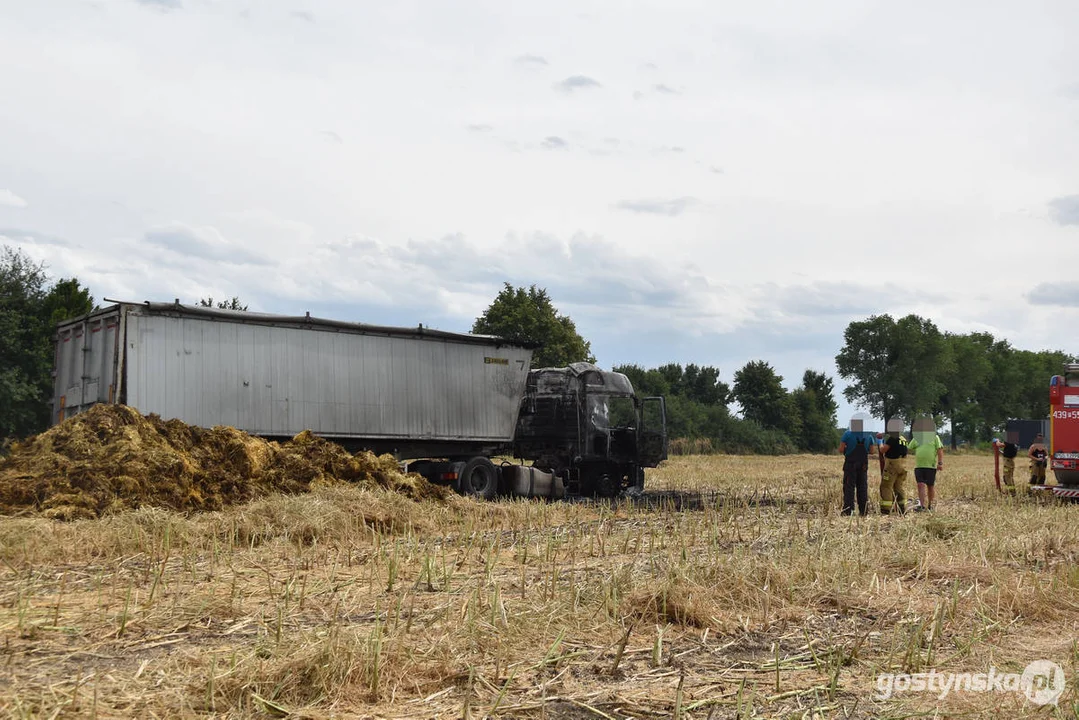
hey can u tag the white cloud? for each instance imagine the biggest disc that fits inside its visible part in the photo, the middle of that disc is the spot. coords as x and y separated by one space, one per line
10 199
553 142
202 243
163 5
16 236
578 82
532 60
669 207
1065 210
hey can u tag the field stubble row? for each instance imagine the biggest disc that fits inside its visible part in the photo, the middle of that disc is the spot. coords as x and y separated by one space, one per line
360 602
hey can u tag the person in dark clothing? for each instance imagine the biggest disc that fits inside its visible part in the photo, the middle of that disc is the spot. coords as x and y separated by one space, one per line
857 446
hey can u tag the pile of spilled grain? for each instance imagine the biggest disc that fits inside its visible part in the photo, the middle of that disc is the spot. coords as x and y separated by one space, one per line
112 458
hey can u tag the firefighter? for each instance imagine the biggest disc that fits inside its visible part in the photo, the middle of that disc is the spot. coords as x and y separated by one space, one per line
1038 455
856 446
1008 450
894 473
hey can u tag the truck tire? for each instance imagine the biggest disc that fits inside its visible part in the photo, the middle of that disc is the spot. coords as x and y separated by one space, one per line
1067 478
479 478
607 485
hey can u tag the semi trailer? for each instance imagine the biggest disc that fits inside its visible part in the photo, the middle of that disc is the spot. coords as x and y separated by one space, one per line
450 405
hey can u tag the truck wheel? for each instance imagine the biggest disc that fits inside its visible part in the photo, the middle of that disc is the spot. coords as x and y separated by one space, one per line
1067 478
479 478
607 486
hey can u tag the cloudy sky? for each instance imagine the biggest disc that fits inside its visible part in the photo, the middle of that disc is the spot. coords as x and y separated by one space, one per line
709 182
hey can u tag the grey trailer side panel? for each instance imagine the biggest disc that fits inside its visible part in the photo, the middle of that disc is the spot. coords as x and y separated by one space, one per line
280 380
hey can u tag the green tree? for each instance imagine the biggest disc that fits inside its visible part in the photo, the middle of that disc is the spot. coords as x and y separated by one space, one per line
22 355
775 422
231 304
764 400
673 375
816 407
896 368
968 370
29 311
823 388
997 396
1035 371
65 300
696 383
703 385
696 399
646 383
528 316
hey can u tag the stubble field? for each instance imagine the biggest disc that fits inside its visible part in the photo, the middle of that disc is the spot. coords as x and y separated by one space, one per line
354 603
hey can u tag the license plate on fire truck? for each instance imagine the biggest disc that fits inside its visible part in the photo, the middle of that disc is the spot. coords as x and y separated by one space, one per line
1066 456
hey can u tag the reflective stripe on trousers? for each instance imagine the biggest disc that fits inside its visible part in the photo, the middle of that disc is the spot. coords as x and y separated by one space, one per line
892 496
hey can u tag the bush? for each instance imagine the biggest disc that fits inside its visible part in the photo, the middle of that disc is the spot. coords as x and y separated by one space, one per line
736 437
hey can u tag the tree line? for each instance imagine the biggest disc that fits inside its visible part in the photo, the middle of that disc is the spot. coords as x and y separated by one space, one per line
905 367
896 368
773 420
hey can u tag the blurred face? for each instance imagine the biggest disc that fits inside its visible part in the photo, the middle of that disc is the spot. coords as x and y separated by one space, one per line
924 424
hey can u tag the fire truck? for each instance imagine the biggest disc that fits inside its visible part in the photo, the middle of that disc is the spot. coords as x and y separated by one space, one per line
1064 426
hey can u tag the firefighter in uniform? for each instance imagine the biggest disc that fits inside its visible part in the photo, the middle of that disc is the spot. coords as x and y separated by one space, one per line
894 473
1038 454
1008 450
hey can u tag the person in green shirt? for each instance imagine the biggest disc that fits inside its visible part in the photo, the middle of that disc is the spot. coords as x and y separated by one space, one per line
928 459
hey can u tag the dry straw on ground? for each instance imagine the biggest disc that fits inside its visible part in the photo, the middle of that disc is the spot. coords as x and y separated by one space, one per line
358 602
111 458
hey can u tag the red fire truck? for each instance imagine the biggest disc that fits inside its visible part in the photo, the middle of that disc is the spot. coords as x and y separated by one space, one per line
1064 426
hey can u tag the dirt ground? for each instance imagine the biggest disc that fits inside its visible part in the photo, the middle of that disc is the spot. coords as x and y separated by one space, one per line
358 601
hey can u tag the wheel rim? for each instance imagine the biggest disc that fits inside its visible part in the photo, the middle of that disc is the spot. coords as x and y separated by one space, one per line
477 480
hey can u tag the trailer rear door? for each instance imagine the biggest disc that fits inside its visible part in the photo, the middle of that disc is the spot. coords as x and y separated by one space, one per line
86 367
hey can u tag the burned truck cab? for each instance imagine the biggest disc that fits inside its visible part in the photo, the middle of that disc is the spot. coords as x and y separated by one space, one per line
588 427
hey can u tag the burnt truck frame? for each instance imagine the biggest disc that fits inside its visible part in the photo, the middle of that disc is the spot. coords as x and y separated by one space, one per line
582 428
452 404
588 427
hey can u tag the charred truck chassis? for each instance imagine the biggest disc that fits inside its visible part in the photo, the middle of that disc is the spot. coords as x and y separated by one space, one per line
586 427
584 431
